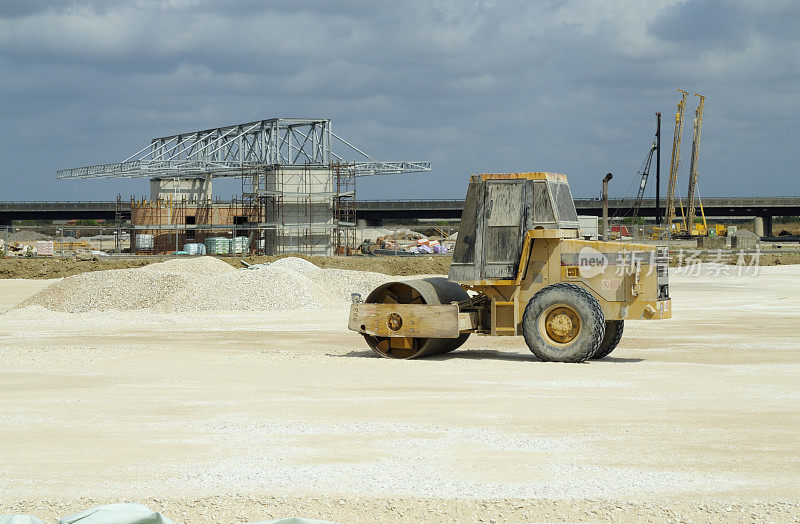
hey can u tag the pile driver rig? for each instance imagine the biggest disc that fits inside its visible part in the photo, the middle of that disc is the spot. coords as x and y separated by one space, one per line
686 225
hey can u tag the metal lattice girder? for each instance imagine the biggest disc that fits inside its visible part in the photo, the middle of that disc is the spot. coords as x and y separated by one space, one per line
390 168
225 151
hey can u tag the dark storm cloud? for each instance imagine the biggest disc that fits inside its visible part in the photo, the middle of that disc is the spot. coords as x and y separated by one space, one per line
472 86
15 9
705 22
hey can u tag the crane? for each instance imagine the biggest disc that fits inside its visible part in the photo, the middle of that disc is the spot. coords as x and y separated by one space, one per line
693 175
676 159
643 183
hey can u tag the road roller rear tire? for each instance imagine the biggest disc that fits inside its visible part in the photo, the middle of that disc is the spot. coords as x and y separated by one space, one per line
610 339
563 323
433 291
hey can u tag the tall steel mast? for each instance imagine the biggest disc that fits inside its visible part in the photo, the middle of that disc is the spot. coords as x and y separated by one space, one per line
693 175
676 159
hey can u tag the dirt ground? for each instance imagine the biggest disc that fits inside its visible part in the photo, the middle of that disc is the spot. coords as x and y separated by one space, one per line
791 228
48 268
235 416
38 268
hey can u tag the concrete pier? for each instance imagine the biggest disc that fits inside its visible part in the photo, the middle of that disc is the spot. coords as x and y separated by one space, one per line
762 226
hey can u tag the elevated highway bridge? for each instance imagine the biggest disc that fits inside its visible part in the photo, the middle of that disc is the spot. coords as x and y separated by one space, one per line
762 209
375 212
96 210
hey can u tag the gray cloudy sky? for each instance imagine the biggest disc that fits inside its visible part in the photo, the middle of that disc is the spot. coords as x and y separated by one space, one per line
473 86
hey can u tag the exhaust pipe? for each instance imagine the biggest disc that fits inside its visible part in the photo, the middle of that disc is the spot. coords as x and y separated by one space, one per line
608 177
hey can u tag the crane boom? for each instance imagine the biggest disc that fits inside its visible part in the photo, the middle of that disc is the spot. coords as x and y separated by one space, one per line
693 176
643 183
676 159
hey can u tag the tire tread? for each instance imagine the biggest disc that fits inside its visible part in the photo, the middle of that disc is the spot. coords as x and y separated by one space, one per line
608 345
597 319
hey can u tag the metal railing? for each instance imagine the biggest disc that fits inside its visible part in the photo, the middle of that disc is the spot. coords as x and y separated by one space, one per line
60 202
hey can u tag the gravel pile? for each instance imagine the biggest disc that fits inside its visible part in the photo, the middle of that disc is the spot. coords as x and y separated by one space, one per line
28 236
208 284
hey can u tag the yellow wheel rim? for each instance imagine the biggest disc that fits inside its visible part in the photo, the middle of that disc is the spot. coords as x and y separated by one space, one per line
560 324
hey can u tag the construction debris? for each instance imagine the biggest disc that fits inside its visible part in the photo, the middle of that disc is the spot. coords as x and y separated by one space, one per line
17 249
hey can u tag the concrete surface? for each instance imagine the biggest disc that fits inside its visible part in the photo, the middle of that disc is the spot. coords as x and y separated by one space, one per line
234 415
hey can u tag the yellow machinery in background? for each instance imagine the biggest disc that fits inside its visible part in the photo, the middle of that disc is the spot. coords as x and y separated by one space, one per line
675 164
695 229
686 226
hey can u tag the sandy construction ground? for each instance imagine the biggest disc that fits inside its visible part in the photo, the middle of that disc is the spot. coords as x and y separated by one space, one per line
226 416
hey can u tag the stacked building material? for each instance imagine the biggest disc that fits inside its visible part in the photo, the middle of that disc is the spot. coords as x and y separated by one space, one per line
218 246
144 242
240 245
194 249
44 248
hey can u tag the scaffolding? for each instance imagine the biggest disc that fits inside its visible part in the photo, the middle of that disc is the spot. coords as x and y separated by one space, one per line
118 224
344 213
176 222
307 209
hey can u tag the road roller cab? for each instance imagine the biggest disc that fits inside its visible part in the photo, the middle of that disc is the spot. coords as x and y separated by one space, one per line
519 268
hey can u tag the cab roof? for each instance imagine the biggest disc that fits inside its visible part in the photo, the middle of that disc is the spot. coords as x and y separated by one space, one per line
539 175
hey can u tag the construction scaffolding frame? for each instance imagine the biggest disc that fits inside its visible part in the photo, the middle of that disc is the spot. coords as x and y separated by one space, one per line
344 213
308 209
176 222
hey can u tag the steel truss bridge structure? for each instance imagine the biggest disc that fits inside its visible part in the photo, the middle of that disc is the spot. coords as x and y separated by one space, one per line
226 151
298 190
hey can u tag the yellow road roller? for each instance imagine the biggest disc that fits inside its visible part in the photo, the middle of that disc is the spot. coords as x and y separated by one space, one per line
520 268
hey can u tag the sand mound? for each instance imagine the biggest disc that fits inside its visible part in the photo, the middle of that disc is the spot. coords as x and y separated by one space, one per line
208 284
